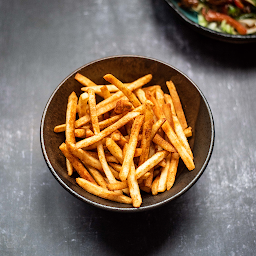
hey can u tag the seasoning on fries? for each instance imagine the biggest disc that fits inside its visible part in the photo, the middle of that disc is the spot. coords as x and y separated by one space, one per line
127 144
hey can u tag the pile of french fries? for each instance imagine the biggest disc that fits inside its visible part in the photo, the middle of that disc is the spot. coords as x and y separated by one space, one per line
129 142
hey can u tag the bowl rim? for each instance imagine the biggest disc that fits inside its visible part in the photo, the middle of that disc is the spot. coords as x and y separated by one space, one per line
130 209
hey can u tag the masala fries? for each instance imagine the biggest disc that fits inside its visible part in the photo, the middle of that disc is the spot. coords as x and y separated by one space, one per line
129 142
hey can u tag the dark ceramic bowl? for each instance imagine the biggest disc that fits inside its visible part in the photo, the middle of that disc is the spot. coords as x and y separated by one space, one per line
191 19
128 69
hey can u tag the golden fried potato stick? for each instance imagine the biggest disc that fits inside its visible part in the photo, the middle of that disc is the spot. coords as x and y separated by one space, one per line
163 175
126 91
78 166
97 176
82 104
172 170
141 95
146 134
105 92
97 137
84 80
83 133
154 187
134 187
168 113
163 143
123 106
97 88
114 149
151 89
177 104
131 178
109 157
168 100
188 161
107 122
69 167
160 97
128 158
70 125
103 124
156 126
84 156
150 163
60 128
115 166
118 186
132 86
96 129
115 136
102 110
188 132
70 118
148 181
102 192
181 135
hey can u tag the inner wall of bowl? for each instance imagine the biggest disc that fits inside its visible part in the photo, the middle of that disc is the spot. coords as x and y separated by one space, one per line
128 69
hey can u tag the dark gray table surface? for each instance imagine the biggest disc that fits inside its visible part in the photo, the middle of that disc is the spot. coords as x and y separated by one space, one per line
41 42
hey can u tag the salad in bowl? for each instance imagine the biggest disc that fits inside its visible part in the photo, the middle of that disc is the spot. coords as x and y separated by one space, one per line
235 17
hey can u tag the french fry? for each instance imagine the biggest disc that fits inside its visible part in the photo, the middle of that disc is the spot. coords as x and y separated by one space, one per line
83 133
84 80
60 128
168 100
149 179
188 161
160 97
96 128
177 104
100 111
146 133
82 104
102 192
134 187
132 86
71 117
180 133
126 91
128 158
163 175
97 137
97 176
156 126
84 156
105 90
107 122
114 149
141 95
116 167
150 163
155 184
168 113
163 143
123 106
97 88
69 167
118 186
188 132
172 170
76 164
